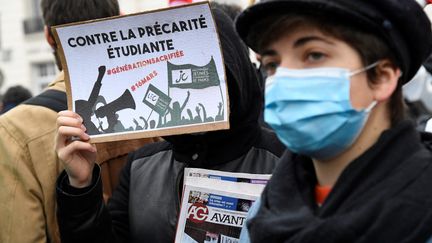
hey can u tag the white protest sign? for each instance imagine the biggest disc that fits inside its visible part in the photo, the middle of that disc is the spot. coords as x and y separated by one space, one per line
148 74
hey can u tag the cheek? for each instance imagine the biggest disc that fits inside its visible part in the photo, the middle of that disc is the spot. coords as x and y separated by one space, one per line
360 92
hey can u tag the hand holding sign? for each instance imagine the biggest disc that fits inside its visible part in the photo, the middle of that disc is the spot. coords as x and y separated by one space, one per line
78 156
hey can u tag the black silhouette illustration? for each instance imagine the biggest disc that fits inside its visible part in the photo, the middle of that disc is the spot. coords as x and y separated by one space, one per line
100 123
192 77
197 118
137 125
145 122
220 115
176 111
101 116
86 108
96 105
174 116
183 110
140 126
110 110
189 112
205 118
152 124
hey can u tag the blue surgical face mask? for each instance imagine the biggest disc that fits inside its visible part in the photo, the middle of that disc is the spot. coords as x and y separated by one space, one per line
311 112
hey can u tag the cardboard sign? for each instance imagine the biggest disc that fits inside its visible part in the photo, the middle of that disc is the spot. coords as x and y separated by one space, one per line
148 74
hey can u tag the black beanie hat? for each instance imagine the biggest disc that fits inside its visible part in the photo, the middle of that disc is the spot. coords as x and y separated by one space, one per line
400 23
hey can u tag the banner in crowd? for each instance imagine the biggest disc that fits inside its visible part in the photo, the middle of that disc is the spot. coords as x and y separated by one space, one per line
148 74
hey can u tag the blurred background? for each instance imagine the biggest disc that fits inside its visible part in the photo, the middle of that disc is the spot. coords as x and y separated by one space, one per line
25 57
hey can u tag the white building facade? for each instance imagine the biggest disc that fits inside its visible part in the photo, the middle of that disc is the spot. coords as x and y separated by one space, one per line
25 57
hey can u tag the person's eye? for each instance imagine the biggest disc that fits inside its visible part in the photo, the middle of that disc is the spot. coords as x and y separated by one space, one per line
315 56
269 68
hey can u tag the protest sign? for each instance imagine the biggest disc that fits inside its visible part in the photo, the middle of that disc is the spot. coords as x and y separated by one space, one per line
148 74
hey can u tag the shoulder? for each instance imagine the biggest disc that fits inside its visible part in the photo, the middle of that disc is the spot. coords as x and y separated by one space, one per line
419 171
151 159
29 122
269 141
58 83
150 150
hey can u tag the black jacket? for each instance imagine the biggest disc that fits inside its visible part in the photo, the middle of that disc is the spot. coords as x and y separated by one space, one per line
145 206
382 196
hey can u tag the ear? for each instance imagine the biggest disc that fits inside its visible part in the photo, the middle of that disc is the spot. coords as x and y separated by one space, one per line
49 37
386 81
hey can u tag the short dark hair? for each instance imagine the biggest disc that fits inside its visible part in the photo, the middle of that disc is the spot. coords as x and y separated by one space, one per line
369 46
16 95
57 12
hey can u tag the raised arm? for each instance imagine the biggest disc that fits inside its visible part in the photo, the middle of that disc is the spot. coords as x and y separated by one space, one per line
82 214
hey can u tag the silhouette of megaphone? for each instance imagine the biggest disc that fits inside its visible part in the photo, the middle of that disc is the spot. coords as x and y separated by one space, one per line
123 102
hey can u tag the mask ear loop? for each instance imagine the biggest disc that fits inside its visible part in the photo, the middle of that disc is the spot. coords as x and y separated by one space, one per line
370 66
371 106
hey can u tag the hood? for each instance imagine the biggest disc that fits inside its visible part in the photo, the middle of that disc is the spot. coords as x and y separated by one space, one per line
245 96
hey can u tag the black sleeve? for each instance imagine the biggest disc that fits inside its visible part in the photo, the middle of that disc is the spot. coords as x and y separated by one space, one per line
118 204
82 215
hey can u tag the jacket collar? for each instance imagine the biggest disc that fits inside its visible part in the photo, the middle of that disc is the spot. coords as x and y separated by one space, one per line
216 147
374 177
59 82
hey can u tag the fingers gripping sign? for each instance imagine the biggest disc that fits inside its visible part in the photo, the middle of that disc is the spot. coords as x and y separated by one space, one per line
74 150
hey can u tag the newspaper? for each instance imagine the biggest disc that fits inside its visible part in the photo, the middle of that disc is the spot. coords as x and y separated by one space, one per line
215 205
227 176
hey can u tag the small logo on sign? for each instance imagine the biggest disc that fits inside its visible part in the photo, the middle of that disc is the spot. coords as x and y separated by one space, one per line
198 213
183 76
152 97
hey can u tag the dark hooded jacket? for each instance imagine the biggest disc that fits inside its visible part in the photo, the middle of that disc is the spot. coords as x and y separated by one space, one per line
145 205
382 196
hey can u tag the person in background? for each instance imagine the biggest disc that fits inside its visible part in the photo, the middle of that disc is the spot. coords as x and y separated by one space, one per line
418 92
232 10
418 97
145 205
28 162
360 170
14 96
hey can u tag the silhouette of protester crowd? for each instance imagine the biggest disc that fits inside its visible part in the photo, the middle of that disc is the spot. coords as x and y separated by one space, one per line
101 117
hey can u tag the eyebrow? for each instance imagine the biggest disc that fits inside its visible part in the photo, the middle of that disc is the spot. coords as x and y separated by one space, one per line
268 53
302 41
